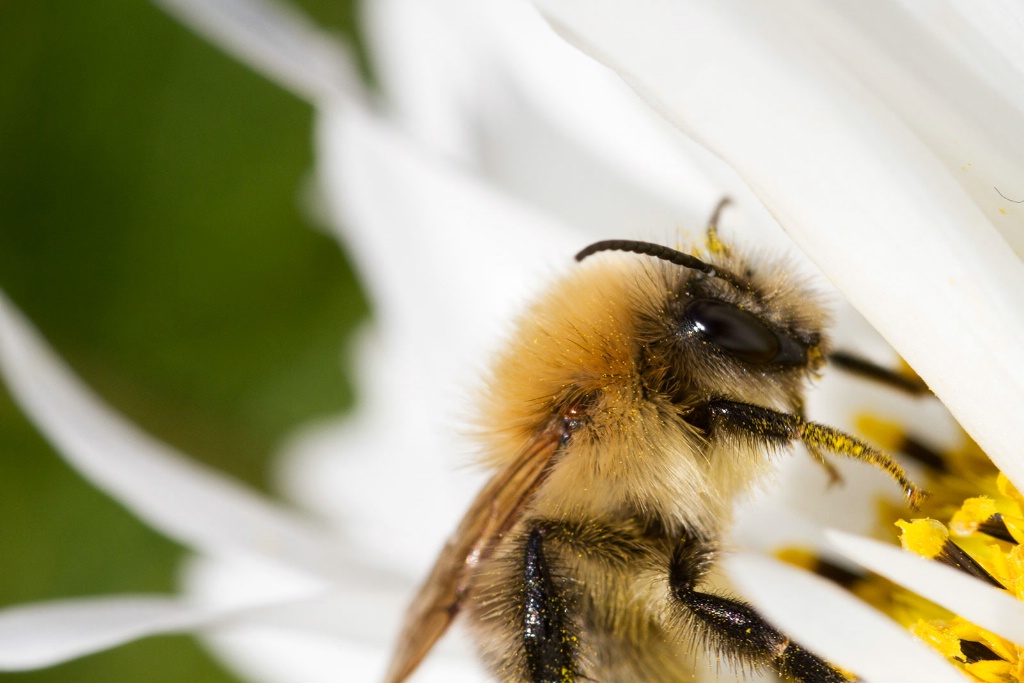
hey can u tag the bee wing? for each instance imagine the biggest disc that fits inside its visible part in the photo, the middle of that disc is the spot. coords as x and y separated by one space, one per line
495 509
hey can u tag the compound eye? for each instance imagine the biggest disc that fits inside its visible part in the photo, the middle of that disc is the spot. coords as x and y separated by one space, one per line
740 333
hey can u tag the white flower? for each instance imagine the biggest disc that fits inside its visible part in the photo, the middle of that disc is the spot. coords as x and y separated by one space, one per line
875 135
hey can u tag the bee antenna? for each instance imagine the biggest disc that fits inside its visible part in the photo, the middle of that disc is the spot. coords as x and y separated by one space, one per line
650 249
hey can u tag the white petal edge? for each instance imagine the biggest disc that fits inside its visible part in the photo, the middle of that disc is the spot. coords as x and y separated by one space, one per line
994 49
360 611
174 495
409 216
349 628
413 220
492 85
275 39
267 655
947 86
958 282
45 634
975 601
835 625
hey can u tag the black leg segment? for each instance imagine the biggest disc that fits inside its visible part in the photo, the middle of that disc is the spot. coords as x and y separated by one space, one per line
772 428
549 634
855 365
733 629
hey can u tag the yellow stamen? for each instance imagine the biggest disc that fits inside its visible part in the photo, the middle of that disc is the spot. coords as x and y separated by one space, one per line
973 512
925 537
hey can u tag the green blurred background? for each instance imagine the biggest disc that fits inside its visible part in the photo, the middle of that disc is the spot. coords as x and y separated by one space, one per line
149 225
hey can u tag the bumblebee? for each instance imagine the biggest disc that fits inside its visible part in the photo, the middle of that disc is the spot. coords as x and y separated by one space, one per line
636 401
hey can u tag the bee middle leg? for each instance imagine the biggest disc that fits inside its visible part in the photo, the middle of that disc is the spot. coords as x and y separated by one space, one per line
733 629
853 364
548 633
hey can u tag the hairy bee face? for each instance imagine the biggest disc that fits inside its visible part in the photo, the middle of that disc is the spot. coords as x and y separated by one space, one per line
633 404
744 334
633 350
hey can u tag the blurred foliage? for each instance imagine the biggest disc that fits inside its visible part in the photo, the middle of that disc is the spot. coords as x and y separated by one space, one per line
150 227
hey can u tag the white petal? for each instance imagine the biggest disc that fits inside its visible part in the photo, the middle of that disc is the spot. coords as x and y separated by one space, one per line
428 80
365 609
313 635
490 85
397 492
938 69
276 40
977 602
174 495
268 655
1002 22
985 36
835 625
42 635
411 218
565 133
853 185
447 262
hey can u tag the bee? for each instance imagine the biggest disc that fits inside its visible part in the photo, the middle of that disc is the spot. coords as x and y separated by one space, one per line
637 400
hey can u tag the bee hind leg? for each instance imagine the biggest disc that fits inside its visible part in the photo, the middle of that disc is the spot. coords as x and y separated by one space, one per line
733 629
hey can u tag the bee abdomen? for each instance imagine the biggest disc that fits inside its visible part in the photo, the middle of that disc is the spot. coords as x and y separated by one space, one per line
549 634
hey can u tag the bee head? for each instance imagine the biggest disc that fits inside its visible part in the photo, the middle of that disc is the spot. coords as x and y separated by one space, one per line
721 311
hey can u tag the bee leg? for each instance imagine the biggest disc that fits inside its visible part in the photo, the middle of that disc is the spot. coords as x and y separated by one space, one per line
774 428
732 628
908 381
549 634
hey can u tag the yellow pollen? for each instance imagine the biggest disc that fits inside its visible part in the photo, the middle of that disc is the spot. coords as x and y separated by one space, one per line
923 536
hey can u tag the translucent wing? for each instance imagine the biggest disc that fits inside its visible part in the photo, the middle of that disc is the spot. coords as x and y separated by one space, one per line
495 509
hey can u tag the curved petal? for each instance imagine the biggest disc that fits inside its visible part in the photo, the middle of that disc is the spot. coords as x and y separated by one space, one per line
43 634
268 655
346 629
364 609
50 633
490 85
847 178
278 41
1001 23
447 261
975 601
174 495
941 71
847 633
472 253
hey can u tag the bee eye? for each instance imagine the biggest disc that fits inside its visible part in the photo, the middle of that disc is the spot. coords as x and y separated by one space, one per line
740 333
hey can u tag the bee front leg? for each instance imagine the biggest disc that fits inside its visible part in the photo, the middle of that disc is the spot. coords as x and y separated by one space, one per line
732 628
771 428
